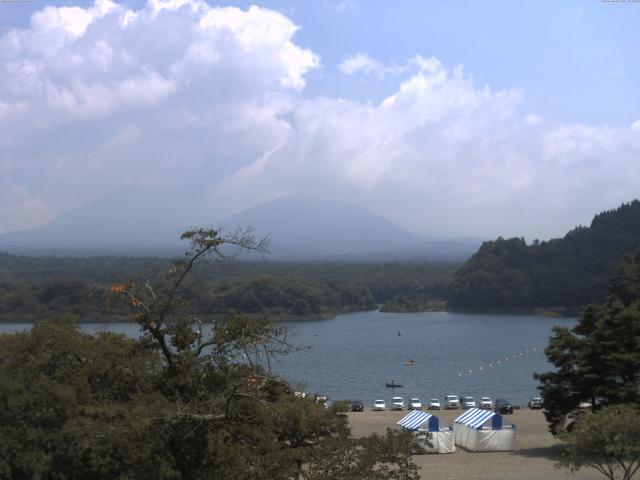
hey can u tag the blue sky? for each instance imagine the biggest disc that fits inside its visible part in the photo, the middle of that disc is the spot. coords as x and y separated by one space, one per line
490 108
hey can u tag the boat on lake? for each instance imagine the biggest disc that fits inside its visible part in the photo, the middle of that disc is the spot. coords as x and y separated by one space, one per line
393 385
410 362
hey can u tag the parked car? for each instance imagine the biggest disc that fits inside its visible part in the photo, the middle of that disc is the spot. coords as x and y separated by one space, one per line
468 402
584 405
451 401
379 406
357 406
503 406
434 404
397 403
535 403
414 404
486 403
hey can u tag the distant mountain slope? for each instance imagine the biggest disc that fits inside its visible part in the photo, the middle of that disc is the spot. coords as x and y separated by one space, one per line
307 227
133 221
150 221
311 226
567 272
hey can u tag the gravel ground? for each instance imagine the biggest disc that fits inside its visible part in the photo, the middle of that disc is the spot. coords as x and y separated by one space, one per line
534 458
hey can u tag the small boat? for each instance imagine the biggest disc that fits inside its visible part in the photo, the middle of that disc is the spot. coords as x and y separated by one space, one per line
393 385
409 363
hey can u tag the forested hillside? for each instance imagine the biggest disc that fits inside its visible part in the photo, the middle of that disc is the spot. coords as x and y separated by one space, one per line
561 273
32 288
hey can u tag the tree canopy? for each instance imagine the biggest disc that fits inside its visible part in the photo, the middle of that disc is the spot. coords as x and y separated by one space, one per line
607 441
185 401
598 360
33 288
563 273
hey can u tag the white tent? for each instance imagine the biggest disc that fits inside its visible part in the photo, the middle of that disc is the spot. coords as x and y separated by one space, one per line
441 438
482 431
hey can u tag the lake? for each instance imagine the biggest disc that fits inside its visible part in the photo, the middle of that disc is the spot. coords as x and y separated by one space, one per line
352 356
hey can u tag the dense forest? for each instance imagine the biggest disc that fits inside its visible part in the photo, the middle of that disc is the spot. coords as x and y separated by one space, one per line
560 274
32 288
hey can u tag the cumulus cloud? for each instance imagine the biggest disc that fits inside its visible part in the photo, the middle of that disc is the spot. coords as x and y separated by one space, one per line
95 98
360 62
179 93
442 155
365 64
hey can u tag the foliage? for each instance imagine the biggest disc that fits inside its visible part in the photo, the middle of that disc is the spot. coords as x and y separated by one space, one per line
608 441
598 360
413 303
185 401
377 457
566 273
79 405
37 287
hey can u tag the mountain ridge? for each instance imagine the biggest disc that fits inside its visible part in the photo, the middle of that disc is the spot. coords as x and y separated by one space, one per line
301 228
562 273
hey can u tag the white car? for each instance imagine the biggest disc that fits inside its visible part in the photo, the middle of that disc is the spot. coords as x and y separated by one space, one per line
379 406
486 403
468 402
397 403
434 404
451 401
414 404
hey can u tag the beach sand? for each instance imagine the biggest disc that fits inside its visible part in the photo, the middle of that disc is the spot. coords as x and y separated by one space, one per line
534 458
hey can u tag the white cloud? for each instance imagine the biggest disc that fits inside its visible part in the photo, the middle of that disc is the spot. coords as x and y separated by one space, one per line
442 155
181 93
203 88
360 62
20 209
533 119
363 63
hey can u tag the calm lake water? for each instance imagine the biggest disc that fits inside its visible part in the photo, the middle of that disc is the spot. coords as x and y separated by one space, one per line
352 356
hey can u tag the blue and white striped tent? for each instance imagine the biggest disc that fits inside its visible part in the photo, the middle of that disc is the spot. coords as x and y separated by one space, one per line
415 419
440 439
476 418
482 431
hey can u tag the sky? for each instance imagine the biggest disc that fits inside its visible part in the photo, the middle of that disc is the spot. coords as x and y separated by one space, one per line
452 119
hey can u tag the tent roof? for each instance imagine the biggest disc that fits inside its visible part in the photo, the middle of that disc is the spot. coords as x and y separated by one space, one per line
414 419
475 417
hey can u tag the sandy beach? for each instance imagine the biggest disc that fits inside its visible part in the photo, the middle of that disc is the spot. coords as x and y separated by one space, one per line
534 458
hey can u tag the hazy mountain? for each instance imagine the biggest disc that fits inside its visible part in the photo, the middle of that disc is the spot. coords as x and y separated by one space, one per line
150 221
303 227
126 221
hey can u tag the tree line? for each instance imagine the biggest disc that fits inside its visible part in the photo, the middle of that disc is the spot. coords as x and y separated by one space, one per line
32 288
563 273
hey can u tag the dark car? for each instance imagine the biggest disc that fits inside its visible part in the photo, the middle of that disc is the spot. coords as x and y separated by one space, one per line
503 406
535 403
357 406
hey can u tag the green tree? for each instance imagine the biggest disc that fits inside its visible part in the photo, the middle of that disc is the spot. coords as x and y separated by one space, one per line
79 406
377 457
608 441
185 401
598 360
